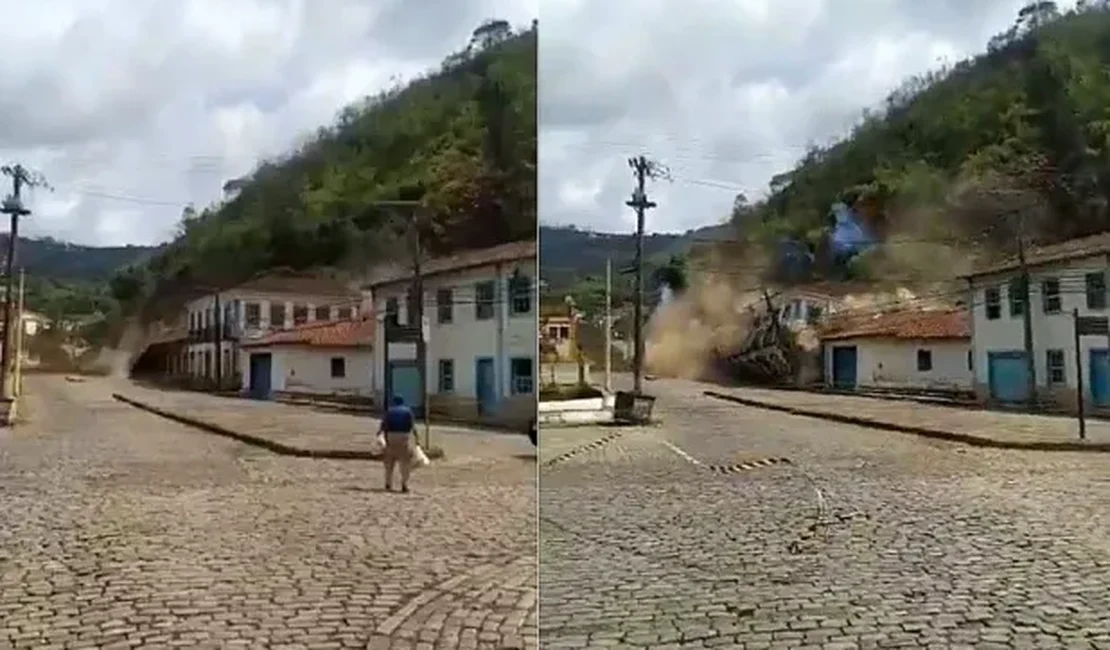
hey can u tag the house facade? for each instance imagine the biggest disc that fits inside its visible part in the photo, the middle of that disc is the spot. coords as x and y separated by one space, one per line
1063 279
558 336
909 350
480 328
320 358
219 322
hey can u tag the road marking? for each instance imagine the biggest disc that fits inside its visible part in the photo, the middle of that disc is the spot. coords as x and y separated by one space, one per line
687 457
596 444
752 464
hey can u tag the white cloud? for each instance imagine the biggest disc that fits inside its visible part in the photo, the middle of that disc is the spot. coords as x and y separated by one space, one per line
133 108
727 93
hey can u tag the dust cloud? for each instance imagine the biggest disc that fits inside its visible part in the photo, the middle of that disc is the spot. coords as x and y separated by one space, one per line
917 266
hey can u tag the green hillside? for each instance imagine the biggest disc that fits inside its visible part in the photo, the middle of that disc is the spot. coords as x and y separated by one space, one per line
1016 139
64 279
462 139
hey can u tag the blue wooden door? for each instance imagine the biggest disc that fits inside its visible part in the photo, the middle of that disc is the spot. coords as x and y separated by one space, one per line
261 369
1100 377
1006 374
404 380
844 362
485 385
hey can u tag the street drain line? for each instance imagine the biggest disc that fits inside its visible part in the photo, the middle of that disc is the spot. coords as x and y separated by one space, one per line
577 451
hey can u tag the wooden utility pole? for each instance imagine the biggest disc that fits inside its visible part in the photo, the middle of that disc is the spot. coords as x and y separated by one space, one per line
18 379
1078 332
411 226
218 338
13 207
643 168
1027 315
416 249
608 325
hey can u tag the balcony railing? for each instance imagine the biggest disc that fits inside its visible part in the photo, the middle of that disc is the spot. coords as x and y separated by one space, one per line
231 332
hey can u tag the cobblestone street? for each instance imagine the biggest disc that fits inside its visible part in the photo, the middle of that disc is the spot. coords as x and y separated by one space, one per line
694 533
122 529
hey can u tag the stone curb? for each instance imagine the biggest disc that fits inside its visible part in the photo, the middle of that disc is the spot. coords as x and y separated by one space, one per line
256 441
925 432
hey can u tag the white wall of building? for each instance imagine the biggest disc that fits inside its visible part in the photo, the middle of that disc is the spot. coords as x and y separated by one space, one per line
304 369
465 339
893 363
200 314
1050 331
800 310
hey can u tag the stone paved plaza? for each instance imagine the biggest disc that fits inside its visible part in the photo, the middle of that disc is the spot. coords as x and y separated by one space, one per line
121 529
675 535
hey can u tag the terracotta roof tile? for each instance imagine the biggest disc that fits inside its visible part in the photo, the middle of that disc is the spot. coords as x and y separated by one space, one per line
328 334
918 324
284 281
510 252
1097 244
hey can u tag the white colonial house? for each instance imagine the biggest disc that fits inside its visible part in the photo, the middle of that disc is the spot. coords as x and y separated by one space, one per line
481 330
1064 279
220 321
320 358
804 306
899 350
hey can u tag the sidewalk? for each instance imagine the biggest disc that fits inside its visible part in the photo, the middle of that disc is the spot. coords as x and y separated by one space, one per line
981 428
301 431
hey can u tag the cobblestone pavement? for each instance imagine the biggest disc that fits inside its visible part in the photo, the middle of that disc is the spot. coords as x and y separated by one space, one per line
121 529
305 427
867 539
994 425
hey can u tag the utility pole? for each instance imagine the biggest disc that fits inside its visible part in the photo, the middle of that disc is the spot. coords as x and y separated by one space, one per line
1027 315
218 342
608 325
416 302
643 169
13 207
18 379
417 251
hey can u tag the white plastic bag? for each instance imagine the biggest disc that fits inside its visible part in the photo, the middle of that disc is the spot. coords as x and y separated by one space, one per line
419 458
378 446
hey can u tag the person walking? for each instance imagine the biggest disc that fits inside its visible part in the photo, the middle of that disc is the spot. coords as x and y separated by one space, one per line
398 425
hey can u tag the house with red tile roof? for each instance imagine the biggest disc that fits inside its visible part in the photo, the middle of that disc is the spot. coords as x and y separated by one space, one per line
1066 280
911 349
220 321
481 330
325 357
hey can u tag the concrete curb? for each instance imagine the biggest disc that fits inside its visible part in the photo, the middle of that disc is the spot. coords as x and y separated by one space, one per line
925 432
256 441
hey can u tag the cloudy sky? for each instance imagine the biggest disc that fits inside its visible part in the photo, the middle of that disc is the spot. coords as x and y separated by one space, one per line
133 108
726 93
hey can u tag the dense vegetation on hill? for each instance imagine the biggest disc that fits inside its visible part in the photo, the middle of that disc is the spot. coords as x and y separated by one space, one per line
572 262
462 139
1015 139
64 279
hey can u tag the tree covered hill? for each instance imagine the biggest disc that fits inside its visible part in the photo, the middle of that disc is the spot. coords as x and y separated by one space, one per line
71 280
569 254
1014 139
463 139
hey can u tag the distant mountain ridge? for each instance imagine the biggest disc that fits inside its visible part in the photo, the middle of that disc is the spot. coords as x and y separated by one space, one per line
568 253
50 258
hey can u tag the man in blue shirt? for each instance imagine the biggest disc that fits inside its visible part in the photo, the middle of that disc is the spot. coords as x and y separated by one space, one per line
398 426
